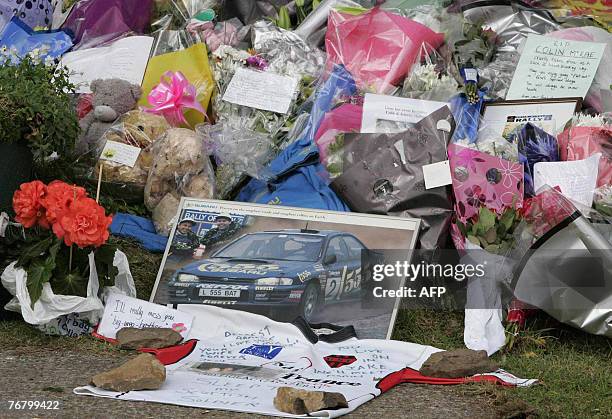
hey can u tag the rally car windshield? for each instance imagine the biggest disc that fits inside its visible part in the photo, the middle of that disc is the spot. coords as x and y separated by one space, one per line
274 246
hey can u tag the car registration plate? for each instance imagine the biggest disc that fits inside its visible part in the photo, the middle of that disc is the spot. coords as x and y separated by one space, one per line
213 292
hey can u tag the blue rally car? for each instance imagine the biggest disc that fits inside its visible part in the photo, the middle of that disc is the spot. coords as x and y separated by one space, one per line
287 272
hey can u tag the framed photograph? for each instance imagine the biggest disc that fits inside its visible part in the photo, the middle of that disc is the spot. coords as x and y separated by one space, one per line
549 114
283 262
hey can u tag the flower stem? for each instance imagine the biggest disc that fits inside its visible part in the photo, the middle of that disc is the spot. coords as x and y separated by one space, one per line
70 260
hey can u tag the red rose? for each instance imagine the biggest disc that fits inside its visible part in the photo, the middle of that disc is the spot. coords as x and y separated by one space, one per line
57 201
27 204
84 224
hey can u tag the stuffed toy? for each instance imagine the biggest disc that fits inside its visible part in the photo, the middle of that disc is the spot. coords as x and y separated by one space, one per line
138 129
180 168
111 99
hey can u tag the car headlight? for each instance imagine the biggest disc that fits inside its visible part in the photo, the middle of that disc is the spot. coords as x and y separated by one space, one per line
274 281
188 278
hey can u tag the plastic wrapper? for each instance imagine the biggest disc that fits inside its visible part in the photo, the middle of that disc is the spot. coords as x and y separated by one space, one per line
40 15
587 136
428 79
377 47
137 129
603 77
22 40
602 200
482 179
180 168
345 118
192 63
534 146
295 174
226 61
382 173
285 52
313 28
511 22
563 243
467 118
229 148
249 11
230 32
96 22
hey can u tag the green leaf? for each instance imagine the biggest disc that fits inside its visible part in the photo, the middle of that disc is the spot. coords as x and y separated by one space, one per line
491 235
486 219
39 272
73 283
33 252
507 218
492 248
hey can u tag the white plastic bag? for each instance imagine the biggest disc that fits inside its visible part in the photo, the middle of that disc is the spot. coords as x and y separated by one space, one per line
50 306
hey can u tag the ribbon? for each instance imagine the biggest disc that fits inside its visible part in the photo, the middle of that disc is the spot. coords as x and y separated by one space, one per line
172 96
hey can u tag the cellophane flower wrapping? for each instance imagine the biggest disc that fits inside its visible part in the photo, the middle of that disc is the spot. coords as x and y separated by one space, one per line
228 146
94 23
377 47
534 146
587 136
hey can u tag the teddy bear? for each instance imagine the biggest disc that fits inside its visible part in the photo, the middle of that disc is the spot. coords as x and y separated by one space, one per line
111 99
181 168
139 129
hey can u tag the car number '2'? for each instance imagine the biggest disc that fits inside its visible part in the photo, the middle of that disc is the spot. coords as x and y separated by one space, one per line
348 282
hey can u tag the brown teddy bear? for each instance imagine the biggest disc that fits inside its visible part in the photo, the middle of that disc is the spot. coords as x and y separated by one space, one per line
139 129
180 168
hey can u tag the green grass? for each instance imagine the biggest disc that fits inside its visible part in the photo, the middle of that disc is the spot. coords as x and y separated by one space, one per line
575 369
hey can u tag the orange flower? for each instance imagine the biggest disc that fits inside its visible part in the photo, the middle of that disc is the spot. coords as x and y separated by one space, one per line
84 224
27 204
57 201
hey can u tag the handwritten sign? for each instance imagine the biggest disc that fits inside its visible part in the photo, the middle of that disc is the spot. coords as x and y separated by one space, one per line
120 153
261 90
122 311
551 68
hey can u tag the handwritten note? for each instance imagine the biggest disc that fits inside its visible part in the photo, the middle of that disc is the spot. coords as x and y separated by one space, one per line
577 179
125 59
261 90
122 311
120 153
397 109
550 68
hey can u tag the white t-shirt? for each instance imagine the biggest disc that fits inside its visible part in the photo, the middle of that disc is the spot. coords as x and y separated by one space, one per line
237 360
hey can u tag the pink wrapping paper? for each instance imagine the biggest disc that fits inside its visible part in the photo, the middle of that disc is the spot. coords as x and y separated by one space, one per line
578 143
345 118
480 179
377 47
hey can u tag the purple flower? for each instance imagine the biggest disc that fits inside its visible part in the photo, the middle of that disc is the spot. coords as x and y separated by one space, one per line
257 62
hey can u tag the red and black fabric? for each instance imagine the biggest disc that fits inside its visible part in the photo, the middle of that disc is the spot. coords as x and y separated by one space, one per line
337 361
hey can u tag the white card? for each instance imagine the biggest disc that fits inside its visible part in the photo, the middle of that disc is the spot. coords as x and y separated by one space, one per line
377 108
551 68
120 153
437 174
125 59
123 311
577 179
261 90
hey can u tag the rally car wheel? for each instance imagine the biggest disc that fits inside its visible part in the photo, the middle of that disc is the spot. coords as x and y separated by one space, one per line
309 301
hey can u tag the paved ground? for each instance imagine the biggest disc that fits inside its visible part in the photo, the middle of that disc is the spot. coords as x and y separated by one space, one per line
40 374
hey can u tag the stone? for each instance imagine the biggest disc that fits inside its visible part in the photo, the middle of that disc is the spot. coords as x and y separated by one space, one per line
144 372
300 402
148 337
457 363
